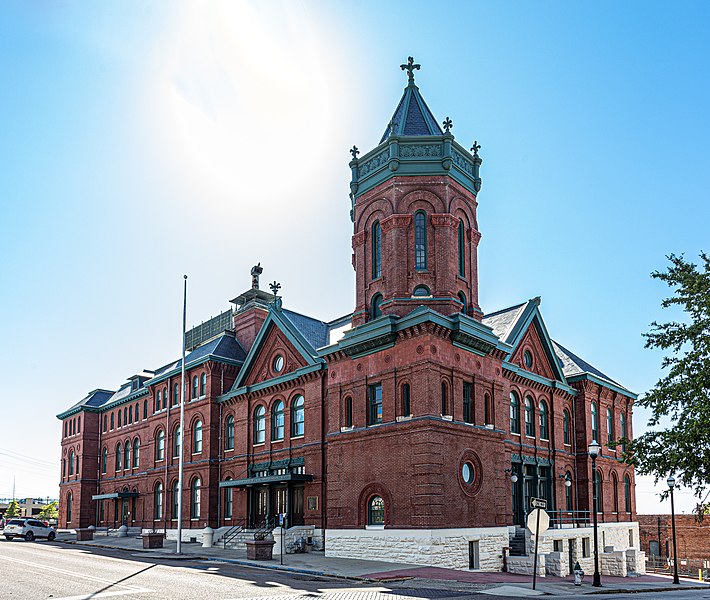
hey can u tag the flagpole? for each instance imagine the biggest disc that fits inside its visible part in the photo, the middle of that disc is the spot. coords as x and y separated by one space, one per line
182 421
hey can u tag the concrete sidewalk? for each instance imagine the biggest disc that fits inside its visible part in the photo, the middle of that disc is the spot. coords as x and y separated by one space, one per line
394 574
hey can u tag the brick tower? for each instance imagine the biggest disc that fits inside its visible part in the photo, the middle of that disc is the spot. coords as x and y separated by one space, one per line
413 199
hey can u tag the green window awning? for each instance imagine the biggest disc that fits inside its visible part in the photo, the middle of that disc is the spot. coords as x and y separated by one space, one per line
249 481
115 496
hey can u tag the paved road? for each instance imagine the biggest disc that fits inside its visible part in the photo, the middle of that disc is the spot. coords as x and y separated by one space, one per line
42 570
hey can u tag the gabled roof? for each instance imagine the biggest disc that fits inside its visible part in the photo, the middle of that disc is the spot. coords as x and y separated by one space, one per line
503 321
93 399
573 367
223 346
412 116
315 331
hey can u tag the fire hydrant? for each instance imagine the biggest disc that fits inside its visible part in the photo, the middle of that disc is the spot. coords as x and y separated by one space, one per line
578 574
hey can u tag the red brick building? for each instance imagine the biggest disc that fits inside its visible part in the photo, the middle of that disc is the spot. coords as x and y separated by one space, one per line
418 412
692 536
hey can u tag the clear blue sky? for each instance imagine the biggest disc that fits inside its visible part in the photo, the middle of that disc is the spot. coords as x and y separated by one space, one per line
144 140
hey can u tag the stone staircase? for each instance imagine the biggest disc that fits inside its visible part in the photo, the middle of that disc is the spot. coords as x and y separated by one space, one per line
517 542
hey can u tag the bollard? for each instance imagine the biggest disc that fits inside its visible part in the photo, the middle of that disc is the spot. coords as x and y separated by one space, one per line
207 537
123 531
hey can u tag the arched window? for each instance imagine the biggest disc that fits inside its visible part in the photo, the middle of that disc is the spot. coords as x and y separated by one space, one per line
104 460
228 500
195 499
259 425
627 494
176 499
615 491
376 250
277 421
544 433
203 385
420 245
464 304
514 413
568 492
467 402
197 438
229 433
376 511
609 425
462 249
444 399
112 421
348 412
76 464
64 468
176 441
376 306
119 418
195 385
158 502
136 456
488 409
66 429
406 400
298 417
78 424
421 291
70 501
595 422
165 397
623 431
160 445
566 435
529 417
145 412
106 419
176 394
71 463
119 456
127 455
130 414
374 404
598 490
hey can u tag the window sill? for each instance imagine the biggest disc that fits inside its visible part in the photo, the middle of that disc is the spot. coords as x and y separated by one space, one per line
447 417
374 424
374 526
489 426
514 433
530 437
196 453
259 444
566 444
344 429
298 437
542 439
278 441
401 418
228 450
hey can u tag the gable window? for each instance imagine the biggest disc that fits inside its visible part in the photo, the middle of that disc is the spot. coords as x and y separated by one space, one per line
595 422
298 416
376 250
464 305
374 400
406 400
259 425
195 497
104 459
420 242
376 306
158 502
467 412
160 445
229 434
544 434
277 421
176 394
609 425
627 494
195 386
527 359
462 249
176 442
119 457
136 457
514 413
567 438
348 412
203 385
278 364
529 417
197 438
376 511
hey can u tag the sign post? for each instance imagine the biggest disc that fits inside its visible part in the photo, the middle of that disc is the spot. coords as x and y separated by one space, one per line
538 523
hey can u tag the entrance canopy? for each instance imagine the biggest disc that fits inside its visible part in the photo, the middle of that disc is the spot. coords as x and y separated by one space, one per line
115 496
250 481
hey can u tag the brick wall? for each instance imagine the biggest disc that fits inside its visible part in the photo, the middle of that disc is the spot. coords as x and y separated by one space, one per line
692 536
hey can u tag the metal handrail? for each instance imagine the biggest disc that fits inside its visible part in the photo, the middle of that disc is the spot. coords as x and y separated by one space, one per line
233 532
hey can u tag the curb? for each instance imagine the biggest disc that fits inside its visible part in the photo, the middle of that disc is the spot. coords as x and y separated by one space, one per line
647 590
244 563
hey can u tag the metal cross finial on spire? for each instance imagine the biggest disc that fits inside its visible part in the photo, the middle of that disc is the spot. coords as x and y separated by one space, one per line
448 124
475 148
354 151
410 67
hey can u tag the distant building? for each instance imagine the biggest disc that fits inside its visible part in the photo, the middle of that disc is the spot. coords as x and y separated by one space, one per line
692 536
29 507
416 428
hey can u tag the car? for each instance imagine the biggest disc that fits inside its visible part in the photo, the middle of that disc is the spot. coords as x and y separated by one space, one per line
30 529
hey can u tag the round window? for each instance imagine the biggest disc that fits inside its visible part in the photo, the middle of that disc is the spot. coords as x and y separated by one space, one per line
278 364
527 358
467 473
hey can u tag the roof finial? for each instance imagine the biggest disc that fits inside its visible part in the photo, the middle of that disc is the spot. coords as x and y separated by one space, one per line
354 151
275 287
448 124
392 126
410 67
475 148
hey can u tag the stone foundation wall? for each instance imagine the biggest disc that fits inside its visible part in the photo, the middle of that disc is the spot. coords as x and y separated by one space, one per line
523 565
448 548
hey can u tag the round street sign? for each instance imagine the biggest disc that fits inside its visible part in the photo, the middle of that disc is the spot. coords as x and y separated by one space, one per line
544 522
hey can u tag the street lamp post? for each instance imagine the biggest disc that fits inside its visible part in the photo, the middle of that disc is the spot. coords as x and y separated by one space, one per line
671 484
594 449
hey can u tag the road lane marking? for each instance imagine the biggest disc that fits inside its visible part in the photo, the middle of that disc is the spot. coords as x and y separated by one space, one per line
105 594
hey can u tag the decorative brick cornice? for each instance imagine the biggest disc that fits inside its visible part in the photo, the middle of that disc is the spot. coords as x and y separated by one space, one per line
444 220
359 239
396 222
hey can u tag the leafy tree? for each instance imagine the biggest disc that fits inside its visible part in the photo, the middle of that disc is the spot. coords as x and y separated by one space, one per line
683 394
13 509
49 511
